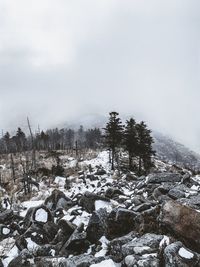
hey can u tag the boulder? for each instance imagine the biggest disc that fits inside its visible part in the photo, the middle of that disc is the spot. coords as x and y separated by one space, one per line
87 201
115 246
100 172
66 229
111 192
176 254
4 231
76 261
120 222
176 193
183 222
76 244
6 216
97 226
57 200
164 177
40 214
146 244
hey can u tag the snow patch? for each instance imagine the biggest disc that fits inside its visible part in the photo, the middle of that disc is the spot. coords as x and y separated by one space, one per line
107 263
41 215
60 181
104 241
100 204
184 253
6 231
164 242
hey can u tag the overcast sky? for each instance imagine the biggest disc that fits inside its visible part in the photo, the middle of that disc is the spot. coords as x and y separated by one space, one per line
65 59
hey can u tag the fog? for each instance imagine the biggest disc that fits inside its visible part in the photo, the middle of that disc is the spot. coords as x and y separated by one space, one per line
62 61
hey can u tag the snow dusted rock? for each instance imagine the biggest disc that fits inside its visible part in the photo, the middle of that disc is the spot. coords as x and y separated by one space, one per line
66 229
147 221
164 177
176 254
176 193
100 172
193 201
40 214
25 259
120 222
142 207
107 263
97 226
21 243
57 200
77 243
183 222
6 216
51 230
113 192
148 261
131 177
115 246
76 261
87 201
4 231
146 244
130 261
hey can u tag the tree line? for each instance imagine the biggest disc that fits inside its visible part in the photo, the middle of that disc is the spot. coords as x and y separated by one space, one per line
51 139
133 138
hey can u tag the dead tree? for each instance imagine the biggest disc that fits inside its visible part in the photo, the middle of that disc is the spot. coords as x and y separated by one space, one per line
13 168
33 146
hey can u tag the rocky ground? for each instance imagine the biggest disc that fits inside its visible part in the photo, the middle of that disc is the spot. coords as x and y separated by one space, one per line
99 218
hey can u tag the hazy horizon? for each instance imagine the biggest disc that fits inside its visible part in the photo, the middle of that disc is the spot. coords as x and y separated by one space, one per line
64 61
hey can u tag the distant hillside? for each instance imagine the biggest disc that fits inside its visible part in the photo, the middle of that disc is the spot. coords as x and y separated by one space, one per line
169 150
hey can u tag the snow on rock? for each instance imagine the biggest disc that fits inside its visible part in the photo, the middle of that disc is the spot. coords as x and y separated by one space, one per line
102 159
184 253
104 241
5 231
8 248
30 244
106 263
41 215
60 181
100 204
30 204
164 242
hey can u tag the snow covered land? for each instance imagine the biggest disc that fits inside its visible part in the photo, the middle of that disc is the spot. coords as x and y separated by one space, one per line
96 217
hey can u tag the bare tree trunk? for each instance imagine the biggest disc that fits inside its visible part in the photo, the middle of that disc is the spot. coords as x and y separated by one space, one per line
33 146
13 168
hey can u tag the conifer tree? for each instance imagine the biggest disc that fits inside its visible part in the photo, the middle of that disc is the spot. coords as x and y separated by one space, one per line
144 147
130 140
113 135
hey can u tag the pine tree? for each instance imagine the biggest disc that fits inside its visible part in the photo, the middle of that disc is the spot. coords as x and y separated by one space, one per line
130 140
144 147
20 139
113 135
7 141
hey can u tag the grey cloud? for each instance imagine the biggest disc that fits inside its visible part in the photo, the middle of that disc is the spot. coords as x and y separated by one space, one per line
138 57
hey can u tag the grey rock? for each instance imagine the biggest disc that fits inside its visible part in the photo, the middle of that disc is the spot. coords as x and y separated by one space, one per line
148 243
87 201
115 246
76 261
120 222
183 222
97 226
164 177
176 255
